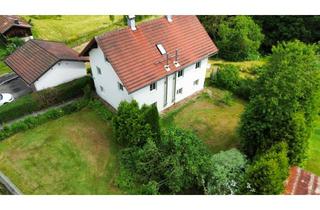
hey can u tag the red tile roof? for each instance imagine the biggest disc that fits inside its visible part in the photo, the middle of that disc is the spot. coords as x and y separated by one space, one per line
301 182
8 21
137 61
36 57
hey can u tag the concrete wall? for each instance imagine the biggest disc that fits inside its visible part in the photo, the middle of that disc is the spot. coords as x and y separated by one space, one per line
62 72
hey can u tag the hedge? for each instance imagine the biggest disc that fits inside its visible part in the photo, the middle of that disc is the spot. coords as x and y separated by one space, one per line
43 99
34 121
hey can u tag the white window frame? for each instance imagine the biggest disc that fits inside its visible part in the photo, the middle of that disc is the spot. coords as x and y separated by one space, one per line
153 86
182 73
98 70
196 82
198 65
179 91
161 49
120 86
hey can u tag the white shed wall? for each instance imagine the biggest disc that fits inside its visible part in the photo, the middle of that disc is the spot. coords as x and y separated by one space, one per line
62 72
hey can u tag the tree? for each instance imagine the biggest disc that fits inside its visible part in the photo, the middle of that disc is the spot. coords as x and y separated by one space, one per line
240 39
227 77
151 116
111 17
13 43
284 102
226 173
288 27
267 174
211 23
129 125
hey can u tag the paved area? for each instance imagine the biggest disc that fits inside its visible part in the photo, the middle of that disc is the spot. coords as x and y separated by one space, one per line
301 182
14 85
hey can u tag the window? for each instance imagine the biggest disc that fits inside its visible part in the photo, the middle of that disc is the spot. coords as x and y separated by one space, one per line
120 86
161 49
180 73
196 82
179 91
98 70
101 88
153 86
198 64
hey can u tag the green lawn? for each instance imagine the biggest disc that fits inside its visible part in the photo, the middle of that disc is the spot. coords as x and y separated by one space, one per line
72 155
313 162
212 120
72 29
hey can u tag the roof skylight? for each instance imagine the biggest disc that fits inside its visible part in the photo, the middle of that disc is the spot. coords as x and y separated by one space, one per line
161 49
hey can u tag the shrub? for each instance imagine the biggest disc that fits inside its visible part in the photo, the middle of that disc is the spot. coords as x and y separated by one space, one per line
267 174
101 109
226 174
43 99
245 87
129 125
33 121
240 38
227 77
12 44
284 103
151 116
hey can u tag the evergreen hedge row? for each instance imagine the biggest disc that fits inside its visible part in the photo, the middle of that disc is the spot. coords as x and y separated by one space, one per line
43 99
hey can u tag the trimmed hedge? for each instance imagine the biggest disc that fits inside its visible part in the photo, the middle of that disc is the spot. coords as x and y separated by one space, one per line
34 121
43 99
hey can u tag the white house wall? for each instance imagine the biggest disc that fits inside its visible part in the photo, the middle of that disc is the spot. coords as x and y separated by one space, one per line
61 72
107 87
108 79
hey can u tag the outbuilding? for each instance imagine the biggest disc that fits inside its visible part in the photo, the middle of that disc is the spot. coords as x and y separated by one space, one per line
45 64
14 26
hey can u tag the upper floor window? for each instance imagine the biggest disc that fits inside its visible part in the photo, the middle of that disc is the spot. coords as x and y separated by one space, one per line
153 86
180 73
120 86
198 64
98 70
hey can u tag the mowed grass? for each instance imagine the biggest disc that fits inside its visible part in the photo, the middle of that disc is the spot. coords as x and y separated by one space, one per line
313 162
74 30
72 155
213 121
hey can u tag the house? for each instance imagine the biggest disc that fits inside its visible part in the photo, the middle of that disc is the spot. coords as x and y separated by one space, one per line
45 64
301 182
160 62
14 26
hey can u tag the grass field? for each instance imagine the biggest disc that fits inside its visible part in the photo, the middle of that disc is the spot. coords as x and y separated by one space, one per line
3 67
212 120
71 155
74 30
313 162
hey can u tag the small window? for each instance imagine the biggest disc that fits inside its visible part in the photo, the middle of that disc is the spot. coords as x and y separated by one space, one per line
120 86
153 86
198 64
196 82
180 73
179 91
98 70
101 88
161 49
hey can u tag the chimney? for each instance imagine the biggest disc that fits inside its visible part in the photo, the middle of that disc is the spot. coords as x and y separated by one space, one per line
169 18
132 22
16 21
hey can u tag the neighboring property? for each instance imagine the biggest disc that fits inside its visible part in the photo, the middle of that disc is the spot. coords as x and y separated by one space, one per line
301 182
45 64
14 26
160 62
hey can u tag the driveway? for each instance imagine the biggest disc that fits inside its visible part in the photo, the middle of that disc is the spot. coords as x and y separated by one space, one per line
14 85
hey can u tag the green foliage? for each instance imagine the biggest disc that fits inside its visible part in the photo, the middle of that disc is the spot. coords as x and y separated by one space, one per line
267 174
129 125
12 44
43 99
211 23
104 113
111 17
151 116
284 103
226 174
33 121
227 99
240 39
228 77
288 27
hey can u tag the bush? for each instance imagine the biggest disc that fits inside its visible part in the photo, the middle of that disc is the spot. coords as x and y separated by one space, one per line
101 110
33 121
43 99
240 39
227 77
227 172
267 174
284 103
151 116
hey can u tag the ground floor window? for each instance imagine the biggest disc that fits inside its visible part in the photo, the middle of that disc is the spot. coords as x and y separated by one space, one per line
153 86
179 91
101 88
196 82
